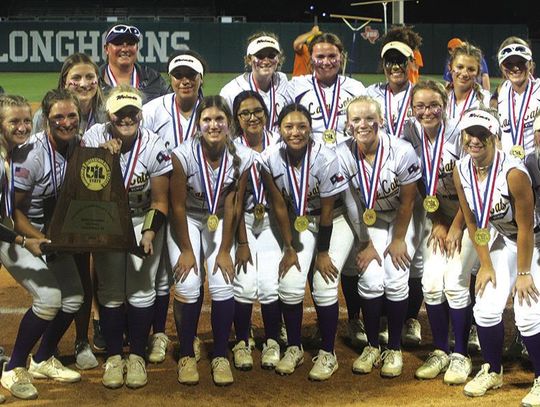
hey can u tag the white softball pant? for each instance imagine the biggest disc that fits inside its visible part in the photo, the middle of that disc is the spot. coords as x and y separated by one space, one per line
260 281
447 278
124 276
164 277
53 286
489 308
419 214
292 285
205 246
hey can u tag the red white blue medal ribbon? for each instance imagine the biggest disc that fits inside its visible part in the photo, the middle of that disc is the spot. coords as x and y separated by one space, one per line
481 206
430 165
132 160
179 136
394 129
300 191
211 193
368 185
329 114
113 82
272 109
258 186
517 125
452 105
53 163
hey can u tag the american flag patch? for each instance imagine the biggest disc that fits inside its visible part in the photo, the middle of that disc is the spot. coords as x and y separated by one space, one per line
21 172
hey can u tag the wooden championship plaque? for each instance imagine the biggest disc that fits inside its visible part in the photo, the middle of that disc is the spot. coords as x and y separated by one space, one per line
92 213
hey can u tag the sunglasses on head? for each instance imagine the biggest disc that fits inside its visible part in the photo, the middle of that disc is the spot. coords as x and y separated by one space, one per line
514 48
123 29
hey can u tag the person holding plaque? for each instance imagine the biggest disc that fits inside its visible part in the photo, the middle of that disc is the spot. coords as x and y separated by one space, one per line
258 247
126 280
326 92
207 187
35 176
497 200
382 172
308 175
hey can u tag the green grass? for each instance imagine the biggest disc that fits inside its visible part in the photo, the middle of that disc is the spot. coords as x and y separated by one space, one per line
34 85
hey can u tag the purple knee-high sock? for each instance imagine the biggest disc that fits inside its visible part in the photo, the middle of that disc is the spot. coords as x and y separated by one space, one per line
199 303
31 329
349 286
372 310
438 320
328 320
292 314
395 313
492 341
461 324
271 315
532 343
242 320
139 322
52 335
161 306
186 317
222 319
112 321
416 296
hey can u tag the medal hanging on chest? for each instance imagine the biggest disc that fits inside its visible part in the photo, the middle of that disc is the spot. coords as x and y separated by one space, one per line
329 114
431 166
259 195
369 184
517 123
299 190
394 129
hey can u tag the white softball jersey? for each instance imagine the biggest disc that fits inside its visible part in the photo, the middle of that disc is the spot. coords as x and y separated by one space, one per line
395 108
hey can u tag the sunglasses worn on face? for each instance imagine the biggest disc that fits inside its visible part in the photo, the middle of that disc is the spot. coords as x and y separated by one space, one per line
401 62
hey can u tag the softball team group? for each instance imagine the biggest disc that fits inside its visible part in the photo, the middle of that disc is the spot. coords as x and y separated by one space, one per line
409 190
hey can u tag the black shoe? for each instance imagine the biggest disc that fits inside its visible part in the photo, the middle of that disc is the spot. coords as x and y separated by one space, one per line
99 339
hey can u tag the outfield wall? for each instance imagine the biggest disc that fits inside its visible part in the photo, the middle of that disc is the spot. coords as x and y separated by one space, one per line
42 46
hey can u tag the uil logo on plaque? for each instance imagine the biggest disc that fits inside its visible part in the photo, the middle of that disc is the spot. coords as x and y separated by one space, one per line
95 174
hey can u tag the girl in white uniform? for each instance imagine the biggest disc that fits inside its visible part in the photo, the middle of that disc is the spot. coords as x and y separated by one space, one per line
263 59
145 165
307 174
448 255
207 186
382 171
497 200
36 175
172 117
326 93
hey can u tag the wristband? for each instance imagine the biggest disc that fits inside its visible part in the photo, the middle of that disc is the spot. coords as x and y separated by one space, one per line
325 233
524 273
6 234
153 220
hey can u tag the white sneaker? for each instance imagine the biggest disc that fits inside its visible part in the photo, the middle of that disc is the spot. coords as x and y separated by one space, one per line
157 348
221 372
113 376
411 333
19 383
242 356
84 357
356 332
369 358
52 368
383 332
325 364
197 348
270 354
474 342
483 381
2 398
187 371
292 358
392 363
136 372
532 399
459 369
436 363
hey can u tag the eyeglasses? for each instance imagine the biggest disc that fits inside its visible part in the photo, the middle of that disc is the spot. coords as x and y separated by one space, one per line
184 72
433 108
245 115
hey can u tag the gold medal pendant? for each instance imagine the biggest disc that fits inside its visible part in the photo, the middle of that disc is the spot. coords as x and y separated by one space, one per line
329 136
518 152
212 223
259 212
301 223
369 216
431 203
482 236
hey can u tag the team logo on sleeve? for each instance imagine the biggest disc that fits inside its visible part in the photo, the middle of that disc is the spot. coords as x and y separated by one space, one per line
95 174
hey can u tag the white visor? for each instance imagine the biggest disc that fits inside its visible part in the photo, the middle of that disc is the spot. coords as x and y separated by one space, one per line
398 46
186 60
261 43
480 118
520 50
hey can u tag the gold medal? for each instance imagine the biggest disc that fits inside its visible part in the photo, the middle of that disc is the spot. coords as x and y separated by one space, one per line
301 223
369 216
518 152
431 203
329 136
212 223
482 236
259 212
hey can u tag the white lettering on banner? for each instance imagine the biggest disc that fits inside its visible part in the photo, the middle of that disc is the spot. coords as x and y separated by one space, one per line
176 40
44 47
92 46
69 46
13 36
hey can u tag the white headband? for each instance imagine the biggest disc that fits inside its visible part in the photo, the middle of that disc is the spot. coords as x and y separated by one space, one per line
261 43
186 60
480 118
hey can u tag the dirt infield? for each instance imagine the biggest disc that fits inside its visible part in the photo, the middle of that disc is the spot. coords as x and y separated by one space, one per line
259 387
